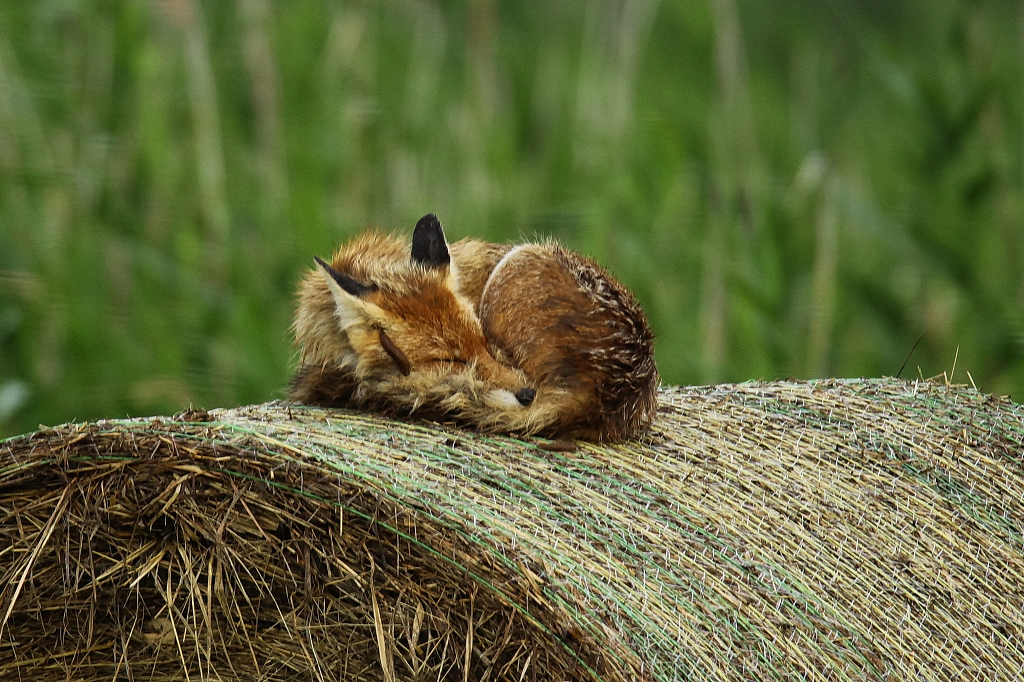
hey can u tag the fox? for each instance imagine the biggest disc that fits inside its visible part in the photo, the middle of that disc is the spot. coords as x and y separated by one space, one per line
524 339
383 327
578 335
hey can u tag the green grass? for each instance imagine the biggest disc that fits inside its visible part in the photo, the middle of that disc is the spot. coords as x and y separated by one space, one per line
798 190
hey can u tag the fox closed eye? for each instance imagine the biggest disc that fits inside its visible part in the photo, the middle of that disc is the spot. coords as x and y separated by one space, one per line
400 358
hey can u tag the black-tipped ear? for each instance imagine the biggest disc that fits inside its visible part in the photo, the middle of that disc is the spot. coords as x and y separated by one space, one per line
348 284
429 248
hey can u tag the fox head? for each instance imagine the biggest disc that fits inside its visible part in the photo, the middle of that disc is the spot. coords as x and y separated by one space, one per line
394 325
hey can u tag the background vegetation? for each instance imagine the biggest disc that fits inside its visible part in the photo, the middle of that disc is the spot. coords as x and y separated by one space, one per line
793 189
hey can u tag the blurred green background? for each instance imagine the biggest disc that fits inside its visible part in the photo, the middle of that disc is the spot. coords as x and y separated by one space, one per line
797 189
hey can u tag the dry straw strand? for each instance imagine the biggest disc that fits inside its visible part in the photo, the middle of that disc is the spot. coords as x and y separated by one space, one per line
830 530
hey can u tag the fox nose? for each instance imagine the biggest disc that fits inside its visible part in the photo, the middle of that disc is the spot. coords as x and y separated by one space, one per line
525 396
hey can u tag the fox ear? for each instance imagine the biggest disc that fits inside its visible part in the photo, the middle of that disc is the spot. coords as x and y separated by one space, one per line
429 248
348 295
349 285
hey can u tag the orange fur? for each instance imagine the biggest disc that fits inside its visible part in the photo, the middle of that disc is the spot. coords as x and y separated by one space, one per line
421 335
344 361
579 336
475 261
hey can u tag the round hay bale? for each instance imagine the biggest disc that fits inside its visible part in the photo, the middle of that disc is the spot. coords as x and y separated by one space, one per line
846 530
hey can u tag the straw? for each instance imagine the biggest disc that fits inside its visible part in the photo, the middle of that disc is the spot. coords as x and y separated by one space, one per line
827 530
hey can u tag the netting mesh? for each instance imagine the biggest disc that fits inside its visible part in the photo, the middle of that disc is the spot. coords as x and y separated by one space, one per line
863 529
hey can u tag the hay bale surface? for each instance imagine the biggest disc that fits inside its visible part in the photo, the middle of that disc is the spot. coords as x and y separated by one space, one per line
844 530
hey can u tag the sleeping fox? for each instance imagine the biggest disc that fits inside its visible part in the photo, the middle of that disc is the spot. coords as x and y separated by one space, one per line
383 327
526 339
